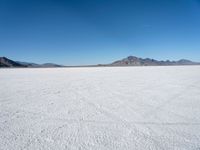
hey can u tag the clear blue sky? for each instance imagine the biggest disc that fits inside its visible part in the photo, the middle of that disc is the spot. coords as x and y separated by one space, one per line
73 32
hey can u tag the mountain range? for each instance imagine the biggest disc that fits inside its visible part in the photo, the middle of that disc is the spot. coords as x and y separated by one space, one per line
129 61
136 61
5 62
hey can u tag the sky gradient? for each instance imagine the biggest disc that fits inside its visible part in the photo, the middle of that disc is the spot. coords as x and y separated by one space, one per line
79 32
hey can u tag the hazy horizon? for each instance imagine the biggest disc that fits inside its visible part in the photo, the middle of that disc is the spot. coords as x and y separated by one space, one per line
93 31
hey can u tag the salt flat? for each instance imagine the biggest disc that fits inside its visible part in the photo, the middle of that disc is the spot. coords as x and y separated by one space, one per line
100 108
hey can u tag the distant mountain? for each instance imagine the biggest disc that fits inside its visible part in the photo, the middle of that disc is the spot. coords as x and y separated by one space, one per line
136 61
28 64
50 65
34 65
5 62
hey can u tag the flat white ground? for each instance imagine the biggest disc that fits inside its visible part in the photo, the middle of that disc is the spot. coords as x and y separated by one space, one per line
100 108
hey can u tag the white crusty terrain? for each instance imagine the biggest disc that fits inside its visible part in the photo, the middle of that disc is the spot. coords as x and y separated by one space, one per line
108 108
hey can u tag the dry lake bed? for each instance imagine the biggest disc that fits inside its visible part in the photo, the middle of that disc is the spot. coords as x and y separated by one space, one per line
107 108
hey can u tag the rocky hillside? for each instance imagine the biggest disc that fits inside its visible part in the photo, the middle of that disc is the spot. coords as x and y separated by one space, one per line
136 61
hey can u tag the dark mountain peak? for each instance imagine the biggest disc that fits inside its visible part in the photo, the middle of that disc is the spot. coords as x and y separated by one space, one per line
132 58
5 62
3 58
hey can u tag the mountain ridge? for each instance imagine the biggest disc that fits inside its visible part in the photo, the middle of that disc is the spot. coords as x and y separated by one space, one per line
35 65
137 61
128 61
8 63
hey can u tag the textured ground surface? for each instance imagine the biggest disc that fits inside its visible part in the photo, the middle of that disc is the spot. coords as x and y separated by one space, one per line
100 108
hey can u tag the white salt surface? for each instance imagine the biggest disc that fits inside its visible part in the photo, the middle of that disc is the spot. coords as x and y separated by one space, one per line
100 108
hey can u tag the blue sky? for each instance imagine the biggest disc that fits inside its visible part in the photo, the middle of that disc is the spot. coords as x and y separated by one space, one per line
76 32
